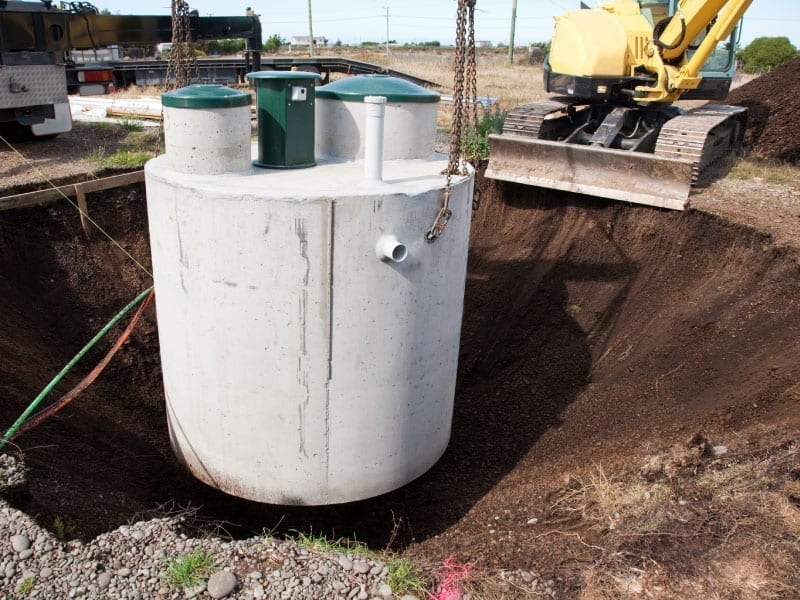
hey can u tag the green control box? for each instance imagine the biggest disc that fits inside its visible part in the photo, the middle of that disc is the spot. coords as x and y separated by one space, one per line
285 111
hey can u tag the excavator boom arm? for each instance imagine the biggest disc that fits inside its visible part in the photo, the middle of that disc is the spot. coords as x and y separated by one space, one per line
676 73
720 31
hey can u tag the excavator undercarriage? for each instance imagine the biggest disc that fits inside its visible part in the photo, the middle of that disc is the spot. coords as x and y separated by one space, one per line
647 155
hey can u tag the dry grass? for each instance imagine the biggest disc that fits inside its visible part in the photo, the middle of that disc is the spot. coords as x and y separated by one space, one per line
140 91
689 525
696 527
511 85
604 502
760 169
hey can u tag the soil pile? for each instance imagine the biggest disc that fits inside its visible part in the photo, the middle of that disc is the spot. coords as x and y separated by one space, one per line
774 115
593 332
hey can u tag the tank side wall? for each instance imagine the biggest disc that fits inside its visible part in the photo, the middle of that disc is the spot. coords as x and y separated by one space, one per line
242 288
396 331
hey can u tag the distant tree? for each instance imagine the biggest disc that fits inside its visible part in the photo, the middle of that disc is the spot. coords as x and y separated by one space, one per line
370 44
338 43
766 53
545 46
225 46
105 11
273 43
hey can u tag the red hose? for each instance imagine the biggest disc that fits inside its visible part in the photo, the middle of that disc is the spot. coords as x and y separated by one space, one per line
90 378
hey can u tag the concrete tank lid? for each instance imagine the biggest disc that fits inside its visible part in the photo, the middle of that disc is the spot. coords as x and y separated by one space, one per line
355 89
205 95
283 75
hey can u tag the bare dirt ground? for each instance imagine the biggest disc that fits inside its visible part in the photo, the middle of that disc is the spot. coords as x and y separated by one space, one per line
608 353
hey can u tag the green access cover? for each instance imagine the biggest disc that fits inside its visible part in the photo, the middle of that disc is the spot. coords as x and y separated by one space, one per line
354 89
205 95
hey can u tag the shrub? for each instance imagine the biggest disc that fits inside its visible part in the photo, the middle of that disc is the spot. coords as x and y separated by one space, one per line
766 53
489 121
225 46
273 43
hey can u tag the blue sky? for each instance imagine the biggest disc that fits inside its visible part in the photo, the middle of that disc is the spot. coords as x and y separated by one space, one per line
356 21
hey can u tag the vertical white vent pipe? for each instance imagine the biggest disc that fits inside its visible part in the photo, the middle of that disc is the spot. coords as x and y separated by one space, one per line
373 137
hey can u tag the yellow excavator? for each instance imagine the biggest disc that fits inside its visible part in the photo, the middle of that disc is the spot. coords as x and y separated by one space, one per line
614 130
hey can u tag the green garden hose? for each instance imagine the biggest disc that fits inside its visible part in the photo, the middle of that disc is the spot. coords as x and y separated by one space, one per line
49 388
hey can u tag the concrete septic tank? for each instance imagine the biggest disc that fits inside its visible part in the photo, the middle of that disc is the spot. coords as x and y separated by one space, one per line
309 333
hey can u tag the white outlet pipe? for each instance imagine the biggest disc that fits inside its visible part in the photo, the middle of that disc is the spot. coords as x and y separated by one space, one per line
391 249
373 137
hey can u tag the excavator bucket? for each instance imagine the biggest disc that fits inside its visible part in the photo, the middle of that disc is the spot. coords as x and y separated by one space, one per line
607 173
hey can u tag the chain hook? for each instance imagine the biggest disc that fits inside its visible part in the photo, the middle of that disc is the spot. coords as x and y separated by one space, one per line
439 224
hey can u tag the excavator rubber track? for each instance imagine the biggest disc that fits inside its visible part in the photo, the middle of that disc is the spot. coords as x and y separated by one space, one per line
707 136
688 147
526 120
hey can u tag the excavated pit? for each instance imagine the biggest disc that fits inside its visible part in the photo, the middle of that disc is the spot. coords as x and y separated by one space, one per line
593 331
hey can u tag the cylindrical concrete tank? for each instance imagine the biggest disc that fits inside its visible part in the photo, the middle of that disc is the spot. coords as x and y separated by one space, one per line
309 333
410 122
207 129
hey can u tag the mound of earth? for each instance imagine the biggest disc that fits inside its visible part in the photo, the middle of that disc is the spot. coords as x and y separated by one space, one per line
773 100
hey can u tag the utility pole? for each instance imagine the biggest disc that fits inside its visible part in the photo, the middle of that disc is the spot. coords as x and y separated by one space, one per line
311 31
387 32
513 25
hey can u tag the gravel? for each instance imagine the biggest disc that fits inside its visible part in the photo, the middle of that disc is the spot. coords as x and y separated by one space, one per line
130 562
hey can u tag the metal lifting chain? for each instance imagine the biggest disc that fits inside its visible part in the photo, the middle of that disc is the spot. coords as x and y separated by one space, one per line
464 89
182 60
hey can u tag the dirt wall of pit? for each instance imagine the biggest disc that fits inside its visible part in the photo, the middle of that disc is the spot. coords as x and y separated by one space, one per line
592 330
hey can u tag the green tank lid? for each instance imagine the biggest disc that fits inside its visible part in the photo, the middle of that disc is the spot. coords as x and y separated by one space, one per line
354 89
283 75
205 95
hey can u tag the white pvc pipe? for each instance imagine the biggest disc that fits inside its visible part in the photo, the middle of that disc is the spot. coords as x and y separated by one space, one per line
373 137
390 248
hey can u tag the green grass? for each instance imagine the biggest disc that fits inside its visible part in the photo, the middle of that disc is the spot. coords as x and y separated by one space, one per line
27 585
131 125
132 147
320 543
127 158
99 125
189 570
58 528
405 577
